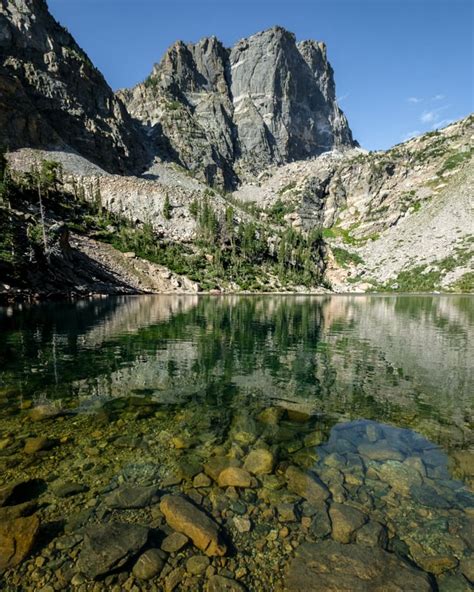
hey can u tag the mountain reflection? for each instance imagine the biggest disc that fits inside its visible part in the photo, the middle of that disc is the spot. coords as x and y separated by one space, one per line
397 359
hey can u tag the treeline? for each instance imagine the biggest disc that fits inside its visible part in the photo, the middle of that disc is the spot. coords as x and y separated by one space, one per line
29 203
230 251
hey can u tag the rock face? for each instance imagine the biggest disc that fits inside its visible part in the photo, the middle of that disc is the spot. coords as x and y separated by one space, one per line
184 517
226 112
52 96
331 567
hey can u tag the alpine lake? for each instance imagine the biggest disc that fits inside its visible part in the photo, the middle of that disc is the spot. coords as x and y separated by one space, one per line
230 443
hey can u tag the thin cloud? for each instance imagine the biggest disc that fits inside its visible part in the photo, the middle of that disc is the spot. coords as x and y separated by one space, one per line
411 135
438 97
414 100
428 116
343 97
431 116
442 123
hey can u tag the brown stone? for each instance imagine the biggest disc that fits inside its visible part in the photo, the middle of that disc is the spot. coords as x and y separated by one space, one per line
259 462
17 538
222 584
216 464
186 518
306 485
174 542
42 412
34 445
329 566
345 521
201 480
12 512
234 477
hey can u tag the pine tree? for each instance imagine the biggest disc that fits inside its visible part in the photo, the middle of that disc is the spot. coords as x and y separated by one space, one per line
167 208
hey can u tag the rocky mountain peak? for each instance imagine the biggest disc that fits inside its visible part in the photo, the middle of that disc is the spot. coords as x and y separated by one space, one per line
51 95
228 113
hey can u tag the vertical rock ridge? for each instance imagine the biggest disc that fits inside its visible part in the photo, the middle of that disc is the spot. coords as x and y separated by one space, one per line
230 113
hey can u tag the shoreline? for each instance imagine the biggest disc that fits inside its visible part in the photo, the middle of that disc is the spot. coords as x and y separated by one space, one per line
25 297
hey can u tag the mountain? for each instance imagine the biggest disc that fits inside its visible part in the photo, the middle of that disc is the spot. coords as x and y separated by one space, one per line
227 170
51 96
226 114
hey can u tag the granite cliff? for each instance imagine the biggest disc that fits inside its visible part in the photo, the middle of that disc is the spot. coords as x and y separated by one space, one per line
226 114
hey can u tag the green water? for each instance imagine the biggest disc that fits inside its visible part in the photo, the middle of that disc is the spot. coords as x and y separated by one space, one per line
373 396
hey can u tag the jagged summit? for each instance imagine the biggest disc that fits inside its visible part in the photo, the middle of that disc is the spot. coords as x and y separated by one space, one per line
222 113
230 112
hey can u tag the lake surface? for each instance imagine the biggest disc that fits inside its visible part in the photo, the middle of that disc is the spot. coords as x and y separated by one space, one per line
328 439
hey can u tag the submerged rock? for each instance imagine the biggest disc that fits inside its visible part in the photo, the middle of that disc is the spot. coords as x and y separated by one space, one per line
306 485
42 412
321 524
68 488
149 564
174 542
242 524
330 566
12 512
34 445
17 538
197 564
259 462
345 521
201 480
186 518
16 492
234 477
221 584
130 496
372 534
271 415
381 451
216 464
399 476
110 546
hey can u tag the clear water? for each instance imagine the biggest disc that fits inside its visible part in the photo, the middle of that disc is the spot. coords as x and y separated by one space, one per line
371 395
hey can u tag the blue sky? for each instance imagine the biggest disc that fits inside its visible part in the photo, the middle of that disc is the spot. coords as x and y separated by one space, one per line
402 66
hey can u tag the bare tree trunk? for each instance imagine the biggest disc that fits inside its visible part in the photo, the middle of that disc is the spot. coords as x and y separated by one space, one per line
43 226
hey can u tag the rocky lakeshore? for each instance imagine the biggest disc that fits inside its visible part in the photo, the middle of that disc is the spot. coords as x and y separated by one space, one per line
134 495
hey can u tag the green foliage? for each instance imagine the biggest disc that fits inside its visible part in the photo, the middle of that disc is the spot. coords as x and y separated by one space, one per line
228 251
167 208
207 222
299 255
423 278
279 210
151 82
173 105
194 208
464 284
45 177
286 188
455 160
5 178
345 258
